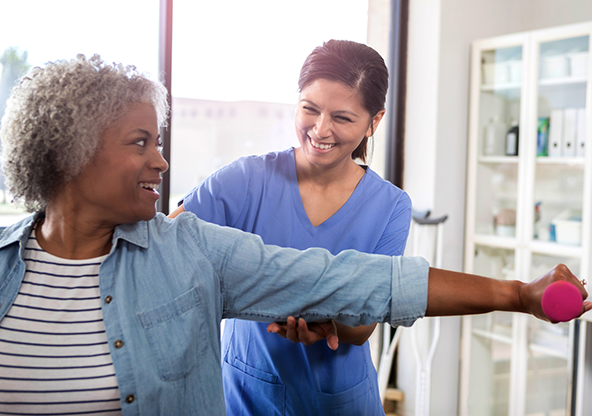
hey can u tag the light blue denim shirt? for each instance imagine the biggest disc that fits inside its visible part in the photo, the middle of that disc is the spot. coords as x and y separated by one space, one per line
171 282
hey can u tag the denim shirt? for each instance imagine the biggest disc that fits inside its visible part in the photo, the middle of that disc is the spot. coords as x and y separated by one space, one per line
170 282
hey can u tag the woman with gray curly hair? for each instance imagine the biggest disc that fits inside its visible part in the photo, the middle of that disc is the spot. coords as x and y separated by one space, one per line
107 307
73 102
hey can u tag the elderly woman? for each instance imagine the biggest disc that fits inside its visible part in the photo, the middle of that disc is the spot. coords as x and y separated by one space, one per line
107 307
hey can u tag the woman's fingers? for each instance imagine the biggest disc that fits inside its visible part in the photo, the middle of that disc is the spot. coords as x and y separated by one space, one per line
300 331
533 293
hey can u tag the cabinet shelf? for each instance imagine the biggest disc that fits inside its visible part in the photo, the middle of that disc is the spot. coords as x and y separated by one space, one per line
498 159
495 241
494 336
501 87
562 81
570 161
546 346
554 249
537 247
550 344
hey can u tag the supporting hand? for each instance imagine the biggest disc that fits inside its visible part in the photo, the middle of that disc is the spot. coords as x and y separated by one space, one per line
306 334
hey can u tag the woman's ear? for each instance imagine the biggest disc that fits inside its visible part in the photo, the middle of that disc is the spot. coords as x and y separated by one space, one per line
375 122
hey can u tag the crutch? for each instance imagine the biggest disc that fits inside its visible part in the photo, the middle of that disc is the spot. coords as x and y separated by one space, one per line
424 367
389 346
386 358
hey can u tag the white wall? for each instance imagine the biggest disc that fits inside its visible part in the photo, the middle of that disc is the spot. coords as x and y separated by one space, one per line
440 35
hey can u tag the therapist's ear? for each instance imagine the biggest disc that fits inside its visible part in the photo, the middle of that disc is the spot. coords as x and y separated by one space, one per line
375 122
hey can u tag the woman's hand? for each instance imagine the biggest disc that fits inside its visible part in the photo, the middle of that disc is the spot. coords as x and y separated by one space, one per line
306 334
532 293
452 293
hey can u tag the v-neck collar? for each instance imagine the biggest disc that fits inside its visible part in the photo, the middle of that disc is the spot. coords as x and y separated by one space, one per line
299 205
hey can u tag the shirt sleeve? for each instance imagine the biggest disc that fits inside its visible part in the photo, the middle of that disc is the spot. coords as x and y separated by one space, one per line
393 240
221 197
269 283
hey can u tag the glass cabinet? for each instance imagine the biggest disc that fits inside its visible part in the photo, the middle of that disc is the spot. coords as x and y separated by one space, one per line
529 192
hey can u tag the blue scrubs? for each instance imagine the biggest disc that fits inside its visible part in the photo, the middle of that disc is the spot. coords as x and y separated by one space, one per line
265 374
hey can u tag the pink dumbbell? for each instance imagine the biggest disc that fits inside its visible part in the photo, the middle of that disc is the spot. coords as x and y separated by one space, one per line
562 301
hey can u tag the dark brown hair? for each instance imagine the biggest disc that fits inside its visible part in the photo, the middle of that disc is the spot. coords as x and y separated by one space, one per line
356 65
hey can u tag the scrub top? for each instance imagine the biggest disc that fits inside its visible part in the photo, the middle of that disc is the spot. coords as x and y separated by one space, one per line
265 374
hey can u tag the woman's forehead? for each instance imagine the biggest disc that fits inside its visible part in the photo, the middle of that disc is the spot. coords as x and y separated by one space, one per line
140 116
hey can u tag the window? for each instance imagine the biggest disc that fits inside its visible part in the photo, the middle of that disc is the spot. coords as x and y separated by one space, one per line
237 63
37 31
235 66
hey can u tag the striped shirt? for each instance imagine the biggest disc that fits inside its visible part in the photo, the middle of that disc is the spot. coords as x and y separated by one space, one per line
54 355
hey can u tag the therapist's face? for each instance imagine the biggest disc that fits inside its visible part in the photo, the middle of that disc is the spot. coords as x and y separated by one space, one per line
331 122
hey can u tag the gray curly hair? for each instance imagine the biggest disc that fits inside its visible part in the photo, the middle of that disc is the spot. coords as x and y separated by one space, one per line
54 118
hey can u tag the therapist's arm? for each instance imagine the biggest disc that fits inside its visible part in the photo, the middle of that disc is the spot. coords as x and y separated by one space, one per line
333 332
176 212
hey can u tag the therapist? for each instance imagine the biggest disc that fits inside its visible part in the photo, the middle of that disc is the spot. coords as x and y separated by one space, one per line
316 195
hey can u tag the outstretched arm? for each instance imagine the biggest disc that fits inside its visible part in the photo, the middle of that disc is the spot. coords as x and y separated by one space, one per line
452 293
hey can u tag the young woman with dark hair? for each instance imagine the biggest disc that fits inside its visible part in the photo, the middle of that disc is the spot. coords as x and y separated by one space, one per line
316 195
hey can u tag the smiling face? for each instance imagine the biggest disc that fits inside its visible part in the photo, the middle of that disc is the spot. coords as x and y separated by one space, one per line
331 123
120 184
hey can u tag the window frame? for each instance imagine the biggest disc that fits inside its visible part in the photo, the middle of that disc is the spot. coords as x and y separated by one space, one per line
397 63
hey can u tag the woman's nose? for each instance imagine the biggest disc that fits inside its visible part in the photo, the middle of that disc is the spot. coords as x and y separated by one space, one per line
159 163
323 126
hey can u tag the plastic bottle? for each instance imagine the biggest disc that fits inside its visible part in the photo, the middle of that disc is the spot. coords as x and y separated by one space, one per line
512 139
493 140
489 139
537 218
543 136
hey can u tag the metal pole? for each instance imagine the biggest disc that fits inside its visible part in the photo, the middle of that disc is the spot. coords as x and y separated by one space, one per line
165 52
397 63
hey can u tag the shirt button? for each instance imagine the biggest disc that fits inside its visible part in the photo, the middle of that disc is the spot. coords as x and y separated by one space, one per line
118 343
108 299
130 398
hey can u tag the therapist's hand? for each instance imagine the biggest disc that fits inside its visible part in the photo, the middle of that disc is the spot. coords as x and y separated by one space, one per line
305 333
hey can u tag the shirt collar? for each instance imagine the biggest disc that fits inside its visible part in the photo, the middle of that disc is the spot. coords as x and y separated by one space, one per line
136 233
17 232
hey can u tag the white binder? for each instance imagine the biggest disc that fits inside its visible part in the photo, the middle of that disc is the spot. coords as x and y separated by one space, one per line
570 116
581 133
556 133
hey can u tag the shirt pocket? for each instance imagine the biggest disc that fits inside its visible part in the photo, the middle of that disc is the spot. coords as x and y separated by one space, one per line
174 330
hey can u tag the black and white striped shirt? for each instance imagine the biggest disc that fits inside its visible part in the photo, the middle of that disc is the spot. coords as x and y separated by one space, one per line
54 355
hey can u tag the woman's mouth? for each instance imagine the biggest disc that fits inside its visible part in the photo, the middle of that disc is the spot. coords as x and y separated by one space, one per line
321 146
149 186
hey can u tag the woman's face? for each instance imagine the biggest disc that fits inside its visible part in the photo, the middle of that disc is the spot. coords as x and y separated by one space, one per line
120 184
331 122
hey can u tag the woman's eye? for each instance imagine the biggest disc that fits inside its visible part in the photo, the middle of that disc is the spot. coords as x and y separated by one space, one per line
309 109
341 118
141 142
